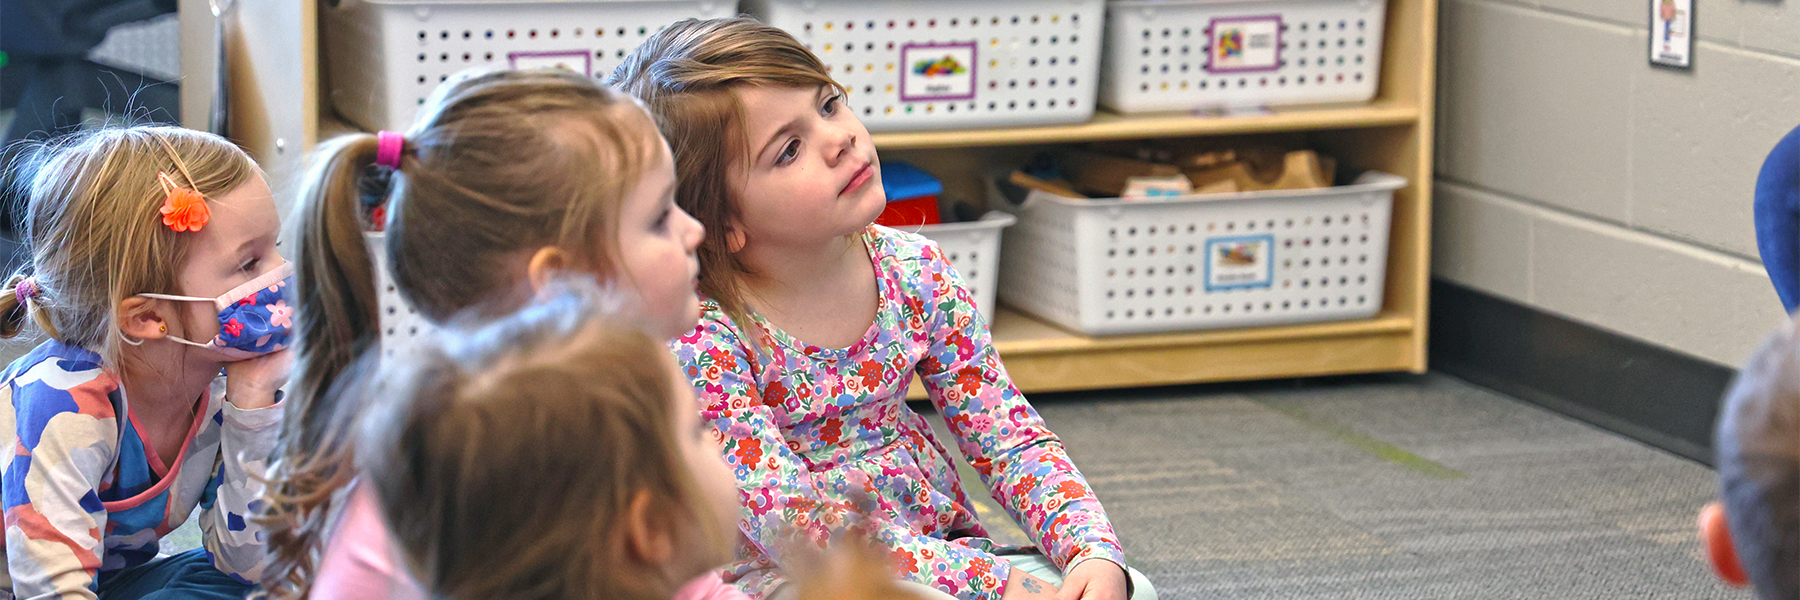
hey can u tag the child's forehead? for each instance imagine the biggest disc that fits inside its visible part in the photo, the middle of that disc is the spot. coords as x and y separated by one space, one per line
249 209
777 92
768 107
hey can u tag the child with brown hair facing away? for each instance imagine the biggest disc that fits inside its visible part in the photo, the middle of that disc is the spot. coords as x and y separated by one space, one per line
1752 534
153 268
788 184
506 180
551 455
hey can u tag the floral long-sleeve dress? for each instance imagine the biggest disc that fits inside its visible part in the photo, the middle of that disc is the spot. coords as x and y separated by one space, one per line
816 435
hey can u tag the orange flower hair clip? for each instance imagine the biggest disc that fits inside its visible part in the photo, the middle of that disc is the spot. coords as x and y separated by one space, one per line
183 209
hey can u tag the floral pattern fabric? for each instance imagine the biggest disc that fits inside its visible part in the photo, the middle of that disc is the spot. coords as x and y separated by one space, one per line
822 439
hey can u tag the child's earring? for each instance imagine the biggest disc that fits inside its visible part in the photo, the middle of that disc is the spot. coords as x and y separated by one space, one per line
162 328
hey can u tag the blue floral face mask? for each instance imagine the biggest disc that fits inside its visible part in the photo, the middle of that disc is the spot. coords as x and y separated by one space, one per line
254 318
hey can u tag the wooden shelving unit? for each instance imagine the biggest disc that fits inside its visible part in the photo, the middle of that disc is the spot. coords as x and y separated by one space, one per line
1393 133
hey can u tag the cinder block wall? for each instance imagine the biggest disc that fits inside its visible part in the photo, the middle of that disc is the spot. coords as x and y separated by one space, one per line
1574 178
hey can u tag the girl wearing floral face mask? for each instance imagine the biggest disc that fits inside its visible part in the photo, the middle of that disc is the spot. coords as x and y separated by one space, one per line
153 268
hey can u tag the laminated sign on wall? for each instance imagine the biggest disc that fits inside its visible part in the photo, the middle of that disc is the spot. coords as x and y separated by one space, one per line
1672 33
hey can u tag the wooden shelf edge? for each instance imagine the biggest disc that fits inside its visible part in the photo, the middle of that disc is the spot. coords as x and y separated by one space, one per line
1382 345
1114 126
1104 126
1017 334
1376 352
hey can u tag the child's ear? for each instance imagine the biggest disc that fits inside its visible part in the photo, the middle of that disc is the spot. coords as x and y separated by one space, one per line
1715 537
544 265
138 319
735 239
648 535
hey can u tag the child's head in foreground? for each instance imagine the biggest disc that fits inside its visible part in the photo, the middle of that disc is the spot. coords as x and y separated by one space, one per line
1758 447
767 151
554 453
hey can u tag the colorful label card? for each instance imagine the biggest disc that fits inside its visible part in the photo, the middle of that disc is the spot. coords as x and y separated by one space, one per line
1240 262
1245 44
937 71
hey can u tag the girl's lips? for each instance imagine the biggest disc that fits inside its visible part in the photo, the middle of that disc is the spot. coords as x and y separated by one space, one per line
862 176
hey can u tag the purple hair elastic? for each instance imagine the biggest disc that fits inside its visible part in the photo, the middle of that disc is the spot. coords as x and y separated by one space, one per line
387 149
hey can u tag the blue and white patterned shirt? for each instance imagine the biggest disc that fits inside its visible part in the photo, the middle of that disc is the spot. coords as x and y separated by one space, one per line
85 496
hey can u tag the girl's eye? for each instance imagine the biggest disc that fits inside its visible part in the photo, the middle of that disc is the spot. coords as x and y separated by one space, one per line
831 104
250 265
662 220
788 153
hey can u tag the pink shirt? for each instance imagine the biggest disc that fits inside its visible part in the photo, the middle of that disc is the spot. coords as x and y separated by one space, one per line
360 562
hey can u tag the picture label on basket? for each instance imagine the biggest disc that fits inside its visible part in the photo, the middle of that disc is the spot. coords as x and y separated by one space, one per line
938 71
1245 44
1239 262
578 61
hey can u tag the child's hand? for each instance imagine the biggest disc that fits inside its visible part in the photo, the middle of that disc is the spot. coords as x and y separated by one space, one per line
251 384
852 569
1022 586
1094 580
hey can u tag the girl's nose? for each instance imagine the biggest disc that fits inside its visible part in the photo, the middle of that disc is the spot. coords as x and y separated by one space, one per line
843 144
695 231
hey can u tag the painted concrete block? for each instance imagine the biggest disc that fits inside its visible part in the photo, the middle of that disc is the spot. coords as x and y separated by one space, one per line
1699 138
1711 305
1537 105
1631 13
1482 241
1763 25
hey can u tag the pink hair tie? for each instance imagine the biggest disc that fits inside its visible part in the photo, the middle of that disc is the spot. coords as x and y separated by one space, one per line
25 290
387 149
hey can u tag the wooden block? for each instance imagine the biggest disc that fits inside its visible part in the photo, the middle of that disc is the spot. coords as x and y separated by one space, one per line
1019 178
1300 169
1106 176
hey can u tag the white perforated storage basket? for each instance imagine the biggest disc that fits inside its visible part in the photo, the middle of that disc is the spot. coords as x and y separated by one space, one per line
1196 262
936 64
973 247
385 56
1186 54
400 324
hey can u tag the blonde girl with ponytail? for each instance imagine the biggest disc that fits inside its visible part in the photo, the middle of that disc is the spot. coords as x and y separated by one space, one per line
506 181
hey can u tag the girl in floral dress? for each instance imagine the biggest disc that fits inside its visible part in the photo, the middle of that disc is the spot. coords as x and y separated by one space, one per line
814 322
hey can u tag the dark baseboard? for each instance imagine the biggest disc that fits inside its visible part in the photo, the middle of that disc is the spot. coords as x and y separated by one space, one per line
1654 395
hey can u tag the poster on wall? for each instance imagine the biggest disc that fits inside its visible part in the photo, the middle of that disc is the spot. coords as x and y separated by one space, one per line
1672 33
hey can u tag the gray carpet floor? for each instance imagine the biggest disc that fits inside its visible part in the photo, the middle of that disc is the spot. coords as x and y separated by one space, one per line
1381 487
1367 487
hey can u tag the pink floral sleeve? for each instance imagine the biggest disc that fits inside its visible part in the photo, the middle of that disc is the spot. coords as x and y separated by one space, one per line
1020 460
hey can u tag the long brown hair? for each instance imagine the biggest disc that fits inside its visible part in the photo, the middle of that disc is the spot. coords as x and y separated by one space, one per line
94 230
505 458
685 74
499 164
